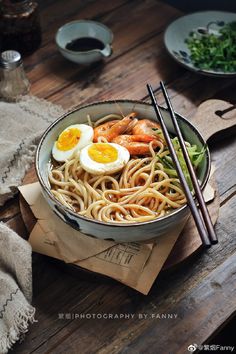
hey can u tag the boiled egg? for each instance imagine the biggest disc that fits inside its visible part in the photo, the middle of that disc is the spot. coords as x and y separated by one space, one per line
102 158
71 140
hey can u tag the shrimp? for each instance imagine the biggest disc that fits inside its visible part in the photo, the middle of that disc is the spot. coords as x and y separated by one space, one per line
112 129
146 126
137 144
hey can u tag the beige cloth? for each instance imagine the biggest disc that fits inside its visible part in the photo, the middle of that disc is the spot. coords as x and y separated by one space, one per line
15 288
21 125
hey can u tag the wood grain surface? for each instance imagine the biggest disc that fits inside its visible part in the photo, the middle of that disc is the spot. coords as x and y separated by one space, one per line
202 291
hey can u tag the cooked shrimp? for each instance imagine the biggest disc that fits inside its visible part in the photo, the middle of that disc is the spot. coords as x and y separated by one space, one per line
145 126
102 130
137 144
112 129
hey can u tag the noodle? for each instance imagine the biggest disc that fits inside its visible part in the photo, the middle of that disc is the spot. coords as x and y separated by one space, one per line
146 188
141 192
106 118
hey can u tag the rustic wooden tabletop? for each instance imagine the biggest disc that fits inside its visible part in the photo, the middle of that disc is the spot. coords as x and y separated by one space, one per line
202 291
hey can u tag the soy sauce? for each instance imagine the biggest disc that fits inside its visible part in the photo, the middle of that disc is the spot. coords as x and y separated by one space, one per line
84 44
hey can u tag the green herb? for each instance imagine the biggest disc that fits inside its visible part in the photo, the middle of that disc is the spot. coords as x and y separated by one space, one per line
214 52
158 132
195 158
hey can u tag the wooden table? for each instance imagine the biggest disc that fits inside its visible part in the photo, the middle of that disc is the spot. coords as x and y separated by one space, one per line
202 292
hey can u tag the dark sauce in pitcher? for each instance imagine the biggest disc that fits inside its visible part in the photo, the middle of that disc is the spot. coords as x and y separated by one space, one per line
85 44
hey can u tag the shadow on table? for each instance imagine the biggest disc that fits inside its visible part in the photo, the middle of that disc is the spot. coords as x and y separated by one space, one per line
72 72
202 5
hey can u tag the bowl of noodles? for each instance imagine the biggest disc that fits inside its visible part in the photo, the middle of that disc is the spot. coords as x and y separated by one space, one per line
106 171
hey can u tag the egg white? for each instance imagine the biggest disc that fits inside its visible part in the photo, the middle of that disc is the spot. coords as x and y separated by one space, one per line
99 168
86 138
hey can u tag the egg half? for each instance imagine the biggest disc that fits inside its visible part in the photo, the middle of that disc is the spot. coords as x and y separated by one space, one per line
101 158
72 139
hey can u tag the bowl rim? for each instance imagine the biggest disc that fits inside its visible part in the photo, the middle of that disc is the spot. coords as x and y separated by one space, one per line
113 224
60 29
192 67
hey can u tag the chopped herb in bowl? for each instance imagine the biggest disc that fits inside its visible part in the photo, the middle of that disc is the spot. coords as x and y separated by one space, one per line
212 51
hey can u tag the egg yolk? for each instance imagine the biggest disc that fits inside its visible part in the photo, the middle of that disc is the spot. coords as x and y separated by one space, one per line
68 139
103 153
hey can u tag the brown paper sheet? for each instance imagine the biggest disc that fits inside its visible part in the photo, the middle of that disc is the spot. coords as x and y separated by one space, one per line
134 264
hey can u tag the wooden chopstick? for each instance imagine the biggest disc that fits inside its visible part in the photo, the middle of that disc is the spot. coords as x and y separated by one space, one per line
202 229
196 186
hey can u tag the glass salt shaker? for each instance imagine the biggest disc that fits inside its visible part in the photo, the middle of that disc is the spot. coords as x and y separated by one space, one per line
14 81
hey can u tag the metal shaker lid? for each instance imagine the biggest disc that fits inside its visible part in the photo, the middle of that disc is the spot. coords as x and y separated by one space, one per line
10 59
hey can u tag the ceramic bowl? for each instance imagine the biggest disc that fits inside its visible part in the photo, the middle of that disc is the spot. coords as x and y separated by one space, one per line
142 231
179 30
80 29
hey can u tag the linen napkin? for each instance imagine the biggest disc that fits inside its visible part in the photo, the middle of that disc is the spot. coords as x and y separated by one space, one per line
15 288
22 123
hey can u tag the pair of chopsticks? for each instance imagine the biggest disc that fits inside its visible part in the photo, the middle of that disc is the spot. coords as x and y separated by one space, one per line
202 220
